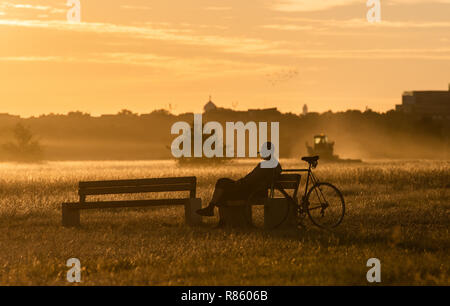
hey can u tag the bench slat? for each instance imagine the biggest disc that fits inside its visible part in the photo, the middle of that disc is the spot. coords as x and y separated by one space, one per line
289 177
286 185
134 189
125 204
138 182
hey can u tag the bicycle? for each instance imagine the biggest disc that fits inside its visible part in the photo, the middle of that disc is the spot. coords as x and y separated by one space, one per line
323 202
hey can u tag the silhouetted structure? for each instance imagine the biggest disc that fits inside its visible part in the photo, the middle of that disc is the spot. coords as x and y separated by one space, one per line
265 112
71 211
305 109
322 147
434 104
325 149
394 134
209 106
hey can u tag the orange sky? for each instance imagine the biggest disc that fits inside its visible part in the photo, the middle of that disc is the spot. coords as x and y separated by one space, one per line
146 54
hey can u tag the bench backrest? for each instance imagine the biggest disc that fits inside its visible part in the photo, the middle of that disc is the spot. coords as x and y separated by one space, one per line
282 183
287 182
138 186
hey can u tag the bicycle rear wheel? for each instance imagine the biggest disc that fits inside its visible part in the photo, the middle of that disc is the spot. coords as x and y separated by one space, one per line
325 205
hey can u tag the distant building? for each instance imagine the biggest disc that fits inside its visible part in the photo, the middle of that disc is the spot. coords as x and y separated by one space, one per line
433 104
209 106
257 111
305 109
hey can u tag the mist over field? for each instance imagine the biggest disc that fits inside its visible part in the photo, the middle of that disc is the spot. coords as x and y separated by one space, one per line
129 136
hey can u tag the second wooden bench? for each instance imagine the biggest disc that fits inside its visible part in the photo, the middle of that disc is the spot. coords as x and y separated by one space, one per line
71 211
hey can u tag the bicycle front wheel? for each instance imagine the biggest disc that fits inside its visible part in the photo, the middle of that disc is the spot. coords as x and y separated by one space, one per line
325 205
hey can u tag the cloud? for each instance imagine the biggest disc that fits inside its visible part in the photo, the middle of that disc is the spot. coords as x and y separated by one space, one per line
221 67
322 24
29 6
179 67
218 8
20 7
419 1
320 5
225 44
244 46
309 5
288 27
31 58
432 54
134 7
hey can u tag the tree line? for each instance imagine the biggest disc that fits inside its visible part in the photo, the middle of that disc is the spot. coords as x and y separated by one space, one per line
127 135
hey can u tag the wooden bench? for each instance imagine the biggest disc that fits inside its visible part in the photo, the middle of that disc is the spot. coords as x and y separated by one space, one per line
71 211
239 213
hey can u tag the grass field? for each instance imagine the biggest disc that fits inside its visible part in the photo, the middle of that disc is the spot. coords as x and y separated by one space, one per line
397 211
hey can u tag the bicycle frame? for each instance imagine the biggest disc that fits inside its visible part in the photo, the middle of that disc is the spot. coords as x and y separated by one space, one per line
310 177
304 207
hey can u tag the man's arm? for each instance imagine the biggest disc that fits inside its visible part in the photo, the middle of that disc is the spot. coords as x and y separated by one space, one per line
250 177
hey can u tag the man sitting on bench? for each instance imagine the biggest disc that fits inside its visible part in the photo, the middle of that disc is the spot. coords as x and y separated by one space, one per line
259 179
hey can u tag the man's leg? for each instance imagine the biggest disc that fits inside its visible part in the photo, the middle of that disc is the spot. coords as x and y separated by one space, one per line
218 196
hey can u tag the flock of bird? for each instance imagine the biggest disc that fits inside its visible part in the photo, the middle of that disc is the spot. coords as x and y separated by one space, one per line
282 76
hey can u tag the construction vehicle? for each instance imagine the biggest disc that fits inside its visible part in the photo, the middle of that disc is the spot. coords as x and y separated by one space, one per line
325 149
322 147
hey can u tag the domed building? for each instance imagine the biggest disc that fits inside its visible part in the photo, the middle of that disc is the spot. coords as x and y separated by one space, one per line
209 106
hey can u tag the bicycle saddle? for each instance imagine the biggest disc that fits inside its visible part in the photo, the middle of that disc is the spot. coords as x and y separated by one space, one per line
310 159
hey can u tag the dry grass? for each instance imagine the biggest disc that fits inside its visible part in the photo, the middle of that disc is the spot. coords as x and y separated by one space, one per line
397 212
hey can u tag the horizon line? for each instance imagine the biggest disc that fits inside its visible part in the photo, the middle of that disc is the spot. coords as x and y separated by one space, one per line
187 113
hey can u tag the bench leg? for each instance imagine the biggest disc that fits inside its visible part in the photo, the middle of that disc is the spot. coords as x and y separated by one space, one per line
275 210
235 216
70 217
190 212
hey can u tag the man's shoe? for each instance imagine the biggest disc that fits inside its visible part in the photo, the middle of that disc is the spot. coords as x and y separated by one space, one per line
206 212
